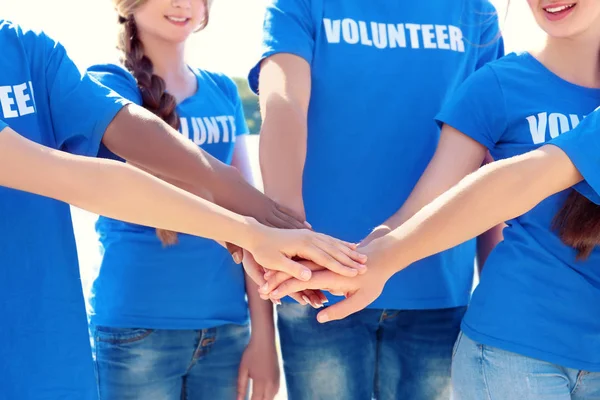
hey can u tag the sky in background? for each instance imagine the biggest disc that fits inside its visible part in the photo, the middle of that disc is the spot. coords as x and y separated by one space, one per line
230 44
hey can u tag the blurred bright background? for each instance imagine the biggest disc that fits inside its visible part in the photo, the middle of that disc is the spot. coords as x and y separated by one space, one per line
230 44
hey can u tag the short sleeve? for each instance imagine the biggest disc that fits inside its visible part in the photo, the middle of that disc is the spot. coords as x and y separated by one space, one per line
288 28
117 79
80 106
2 125
582 146
477 108
491 42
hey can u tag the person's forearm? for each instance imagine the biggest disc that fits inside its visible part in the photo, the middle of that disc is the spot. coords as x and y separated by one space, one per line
261 314
456 156
116 190
143 139
495 193
283 152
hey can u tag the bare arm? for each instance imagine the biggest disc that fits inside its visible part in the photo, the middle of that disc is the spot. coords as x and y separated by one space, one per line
123 192
261 311
138 136
456 156
111 188
285 85
496 193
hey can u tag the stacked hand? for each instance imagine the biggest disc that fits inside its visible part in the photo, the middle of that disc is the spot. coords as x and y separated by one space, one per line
360 290
277 250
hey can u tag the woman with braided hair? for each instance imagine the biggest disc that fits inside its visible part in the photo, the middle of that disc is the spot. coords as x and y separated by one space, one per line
169 311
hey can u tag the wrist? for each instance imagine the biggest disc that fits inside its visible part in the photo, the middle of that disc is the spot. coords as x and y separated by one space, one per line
248 233
384 253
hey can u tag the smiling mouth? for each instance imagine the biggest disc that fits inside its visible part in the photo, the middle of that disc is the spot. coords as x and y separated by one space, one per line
555 10
177 20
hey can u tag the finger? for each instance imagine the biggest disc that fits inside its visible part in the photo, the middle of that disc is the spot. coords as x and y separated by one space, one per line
322 253
274 282
322 297
291 213
314 298
321 279
242 386
258 390
271 391
344 308
299 299
269 274
282 220
236 252
347 248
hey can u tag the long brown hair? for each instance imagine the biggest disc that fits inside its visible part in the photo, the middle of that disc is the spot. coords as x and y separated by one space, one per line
578 224
152 87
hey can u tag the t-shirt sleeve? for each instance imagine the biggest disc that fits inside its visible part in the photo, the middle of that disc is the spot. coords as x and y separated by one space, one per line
491 42
582 146
477 108
81 108
118 79
288 28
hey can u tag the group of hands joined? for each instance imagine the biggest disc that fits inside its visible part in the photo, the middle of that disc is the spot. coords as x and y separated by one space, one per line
308 263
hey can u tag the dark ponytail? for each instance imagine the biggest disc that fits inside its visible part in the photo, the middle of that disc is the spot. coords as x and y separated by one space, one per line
578 224
152 88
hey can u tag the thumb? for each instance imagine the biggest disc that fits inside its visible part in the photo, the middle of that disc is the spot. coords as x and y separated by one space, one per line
344 308
242 385
236 252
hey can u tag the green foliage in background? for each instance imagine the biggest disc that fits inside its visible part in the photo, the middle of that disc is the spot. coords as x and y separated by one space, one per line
250 104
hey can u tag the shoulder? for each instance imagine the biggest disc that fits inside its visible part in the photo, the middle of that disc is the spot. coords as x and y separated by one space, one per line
223 82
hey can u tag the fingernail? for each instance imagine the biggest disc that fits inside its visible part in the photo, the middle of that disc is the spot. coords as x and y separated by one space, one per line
308 225
237 258
322 317
264 288
306 300
325 301
305 274
278 302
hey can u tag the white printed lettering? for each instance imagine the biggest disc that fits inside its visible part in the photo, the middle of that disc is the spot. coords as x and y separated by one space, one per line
223 121
428 36
397 35
364 34
332 30
350 31
557 124
7 102
456 39
442 36
537 127
414 34
379 35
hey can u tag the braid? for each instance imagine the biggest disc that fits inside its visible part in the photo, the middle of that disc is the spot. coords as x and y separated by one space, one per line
152 88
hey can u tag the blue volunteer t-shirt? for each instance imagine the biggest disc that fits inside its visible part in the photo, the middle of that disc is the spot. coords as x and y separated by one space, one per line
194 284
583 148
534 298
380 72
44 344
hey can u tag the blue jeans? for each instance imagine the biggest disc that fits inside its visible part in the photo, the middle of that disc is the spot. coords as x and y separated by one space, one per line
382 354
481 372
146 364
